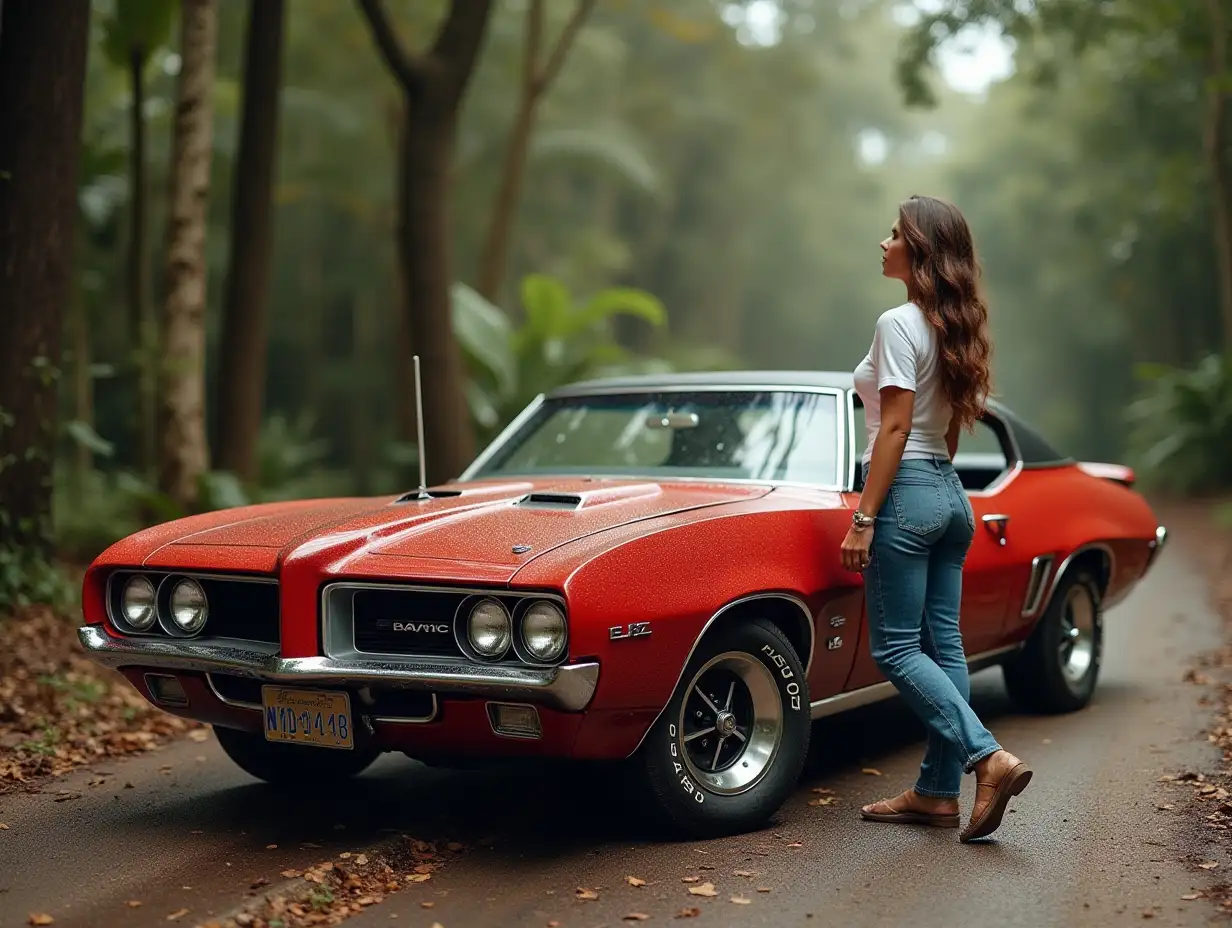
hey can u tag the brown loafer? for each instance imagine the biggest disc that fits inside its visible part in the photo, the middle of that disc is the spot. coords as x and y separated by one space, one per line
909 816
1012 783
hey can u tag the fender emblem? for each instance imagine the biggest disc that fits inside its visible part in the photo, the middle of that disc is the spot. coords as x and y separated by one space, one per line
633 630
421 627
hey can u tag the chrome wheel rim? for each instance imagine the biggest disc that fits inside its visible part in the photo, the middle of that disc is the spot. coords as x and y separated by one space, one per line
1076 649
731 723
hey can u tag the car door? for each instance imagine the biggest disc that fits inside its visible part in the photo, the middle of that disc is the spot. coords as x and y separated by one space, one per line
985 463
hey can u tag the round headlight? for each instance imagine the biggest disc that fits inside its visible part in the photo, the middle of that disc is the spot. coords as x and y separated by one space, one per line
543 631
489 628
137 604
188 606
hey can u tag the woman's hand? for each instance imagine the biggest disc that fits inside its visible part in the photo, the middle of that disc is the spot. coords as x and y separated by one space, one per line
856 548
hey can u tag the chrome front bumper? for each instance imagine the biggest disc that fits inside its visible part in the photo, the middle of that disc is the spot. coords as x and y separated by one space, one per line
568 688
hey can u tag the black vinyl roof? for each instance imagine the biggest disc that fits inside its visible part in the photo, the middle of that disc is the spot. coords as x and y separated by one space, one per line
1034 449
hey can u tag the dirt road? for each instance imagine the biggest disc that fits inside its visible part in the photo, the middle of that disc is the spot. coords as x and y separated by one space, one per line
1085 845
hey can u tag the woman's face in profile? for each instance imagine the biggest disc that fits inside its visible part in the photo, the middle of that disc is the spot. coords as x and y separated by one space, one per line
895 256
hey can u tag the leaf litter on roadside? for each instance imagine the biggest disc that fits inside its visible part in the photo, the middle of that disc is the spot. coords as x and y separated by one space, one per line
60 711
329 892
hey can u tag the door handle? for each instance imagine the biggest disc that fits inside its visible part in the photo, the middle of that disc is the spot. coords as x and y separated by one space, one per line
996 523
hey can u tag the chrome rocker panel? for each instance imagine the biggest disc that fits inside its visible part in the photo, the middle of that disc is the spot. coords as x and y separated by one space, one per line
568 688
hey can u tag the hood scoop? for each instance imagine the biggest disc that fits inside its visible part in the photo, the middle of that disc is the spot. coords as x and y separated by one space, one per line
587 499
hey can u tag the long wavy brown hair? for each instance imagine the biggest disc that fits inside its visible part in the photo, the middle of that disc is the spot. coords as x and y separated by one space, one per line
945 285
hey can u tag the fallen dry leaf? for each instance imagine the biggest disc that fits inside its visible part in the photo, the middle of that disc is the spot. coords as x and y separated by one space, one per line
823 791
689 879
796 844
361 860
690 912
1209 864
40 918
199 735
587 895
763 889
271 847
706 889
177 914
427 905
419 877
634 881
741 900
133 903
871 771
290 874
635 917
742 873
823 801
1190 897
3 827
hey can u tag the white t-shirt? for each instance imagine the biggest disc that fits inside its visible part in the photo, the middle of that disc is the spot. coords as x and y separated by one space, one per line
905 354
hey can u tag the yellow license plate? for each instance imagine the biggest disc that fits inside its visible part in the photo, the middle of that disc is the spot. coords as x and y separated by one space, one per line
317 717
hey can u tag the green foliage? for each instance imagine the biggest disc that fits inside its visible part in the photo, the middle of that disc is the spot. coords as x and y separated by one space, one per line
1181 426
557 342
26 578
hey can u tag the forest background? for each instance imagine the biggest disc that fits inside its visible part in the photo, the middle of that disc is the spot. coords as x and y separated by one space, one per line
275 204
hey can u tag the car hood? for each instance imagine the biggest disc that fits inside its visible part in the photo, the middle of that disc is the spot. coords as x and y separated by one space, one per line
499 525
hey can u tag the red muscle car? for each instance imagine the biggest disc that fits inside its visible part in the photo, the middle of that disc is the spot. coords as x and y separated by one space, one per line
641 568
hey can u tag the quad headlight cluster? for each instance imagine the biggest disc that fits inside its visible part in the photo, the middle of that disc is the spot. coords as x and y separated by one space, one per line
178 604
537 632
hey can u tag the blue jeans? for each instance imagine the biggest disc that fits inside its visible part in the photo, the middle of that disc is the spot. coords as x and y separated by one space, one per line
913 589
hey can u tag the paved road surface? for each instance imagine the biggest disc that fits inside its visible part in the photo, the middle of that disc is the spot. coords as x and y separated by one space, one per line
1085 845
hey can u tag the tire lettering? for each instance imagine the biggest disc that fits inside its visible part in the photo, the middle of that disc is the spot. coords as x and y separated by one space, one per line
779 661
685 783
793 690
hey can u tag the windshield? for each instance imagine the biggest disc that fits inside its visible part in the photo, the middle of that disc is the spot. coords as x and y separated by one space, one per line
735 435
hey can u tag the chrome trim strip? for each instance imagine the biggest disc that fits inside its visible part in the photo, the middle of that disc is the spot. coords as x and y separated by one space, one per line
794 600
568 688
1091 546
876 692
1041 567
236 703
411 719
840 451
849 480
494 445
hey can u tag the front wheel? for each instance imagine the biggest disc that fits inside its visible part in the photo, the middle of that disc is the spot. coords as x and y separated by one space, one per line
292 764
1059 666
729 747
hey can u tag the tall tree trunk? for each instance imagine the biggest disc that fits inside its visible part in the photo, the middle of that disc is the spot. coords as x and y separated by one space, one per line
241 393
140 319
425 246
42 84
185 455
83 383
433 85
404 370
1216 144
365 344
536 79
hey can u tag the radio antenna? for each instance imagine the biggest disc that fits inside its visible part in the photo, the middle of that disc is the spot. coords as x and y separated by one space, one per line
423 469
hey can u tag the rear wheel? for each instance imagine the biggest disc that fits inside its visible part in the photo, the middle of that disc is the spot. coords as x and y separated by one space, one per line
729 747
291 764
1058 668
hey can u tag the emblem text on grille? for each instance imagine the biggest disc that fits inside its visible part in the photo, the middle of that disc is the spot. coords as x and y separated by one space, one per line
422 627
632 630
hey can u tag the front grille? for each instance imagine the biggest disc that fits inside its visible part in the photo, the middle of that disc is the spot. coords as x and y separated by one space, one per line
243 608
397 622
412 621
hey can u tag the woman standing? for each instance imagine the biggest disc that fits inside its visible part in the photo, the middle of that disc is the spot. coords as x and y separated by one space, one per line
926 376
